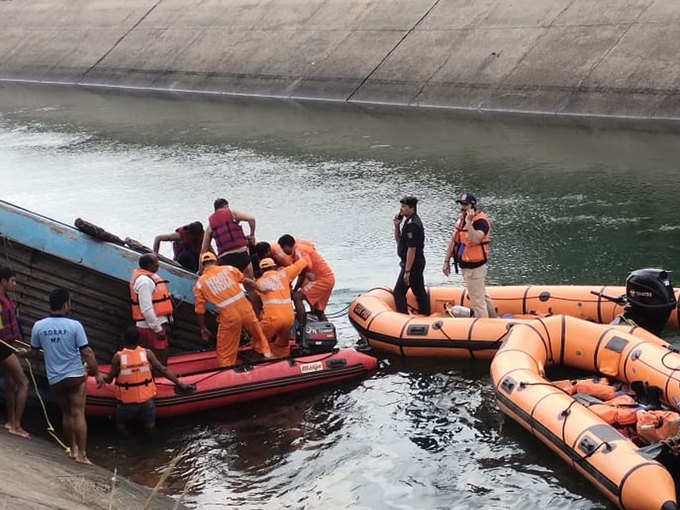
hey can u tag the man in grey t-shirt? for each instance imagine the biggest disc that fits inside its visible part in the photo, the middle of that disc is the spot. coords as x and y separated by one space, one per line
64 344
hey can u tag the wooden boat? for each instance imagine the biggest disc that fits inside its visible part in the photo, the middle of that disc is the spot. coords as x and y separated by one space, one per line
218 387
440 335
47 254
627 474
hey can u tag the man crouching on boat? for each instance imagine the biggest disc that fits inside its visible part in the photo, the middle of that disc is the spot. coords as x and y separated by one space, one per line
278 316
220 285
135 389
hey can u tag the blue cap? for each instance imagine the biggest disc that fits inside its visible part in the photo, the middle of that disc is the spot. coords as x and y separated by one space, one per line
467 198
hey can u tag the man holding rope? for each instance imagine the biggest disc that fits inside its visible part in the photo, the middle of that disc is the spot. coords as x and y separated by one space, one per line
64 344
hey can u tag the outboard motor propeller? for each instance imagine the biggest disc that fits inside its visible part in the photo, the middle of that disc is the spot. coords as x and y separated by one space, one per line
650 299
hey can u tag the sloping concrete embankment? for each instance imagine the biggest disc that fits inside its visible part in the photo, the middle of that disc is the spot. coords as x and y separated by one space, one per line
37 475
584 57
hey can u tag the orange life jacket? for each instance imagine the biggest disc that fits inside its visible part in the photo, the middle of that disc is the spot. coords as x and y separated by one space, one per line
162 303
618 411
277 284
595 387
655 426
463 249
134 383
218 285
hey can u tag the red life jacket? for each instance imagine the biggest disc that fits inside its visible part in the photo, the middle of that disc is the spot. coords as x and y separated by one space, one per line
465 251
162 302
134 383
186 243
227 233
10 329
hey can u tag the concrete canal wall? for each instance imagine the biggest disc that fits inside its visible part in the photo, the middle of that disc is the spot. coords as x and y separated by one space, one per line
593 57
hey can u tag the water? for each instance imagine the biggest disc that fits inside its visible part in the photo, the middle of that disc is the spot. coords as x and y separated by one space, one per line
569 204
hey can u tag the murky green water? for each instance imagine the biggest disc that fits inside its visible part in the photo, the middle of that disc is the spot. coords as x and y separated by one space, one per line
569 204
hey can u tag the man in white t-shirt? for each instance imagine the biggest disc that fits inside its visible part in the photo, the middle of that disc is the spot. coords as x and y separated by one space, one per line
151 306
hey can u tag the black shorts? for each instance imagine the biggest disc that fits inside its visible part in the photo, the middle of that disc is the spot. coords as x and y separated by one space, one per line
5 352
239 260
144 412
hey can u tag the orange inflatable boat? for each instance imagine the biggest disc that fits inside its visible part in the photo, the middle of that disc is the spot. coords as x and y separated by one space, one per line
648 300
626 472
439 335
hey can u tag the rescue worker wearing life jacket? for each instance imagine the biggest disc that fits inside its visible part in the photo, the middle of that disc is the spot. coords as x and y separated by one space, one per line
469 248
221 286
132 368
317 280
232 243
16 382
186 244
151 306
278 317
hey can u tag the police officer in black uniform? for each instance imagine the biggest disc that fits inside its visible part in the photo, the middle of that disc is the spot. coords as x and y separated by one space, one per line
410 240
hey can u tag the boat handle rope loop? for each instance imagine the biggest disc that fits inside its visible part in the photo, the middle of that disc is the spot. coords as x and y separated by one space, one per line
49 426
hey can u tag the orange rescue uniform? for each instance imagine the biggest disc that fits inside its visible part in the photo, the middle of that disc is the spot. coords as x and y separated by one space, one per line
219 285
280 256
319 277
278 316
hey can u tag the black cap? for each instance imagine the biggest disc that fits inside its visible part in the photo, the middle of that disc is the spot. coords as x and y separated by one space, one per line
409 201
467 198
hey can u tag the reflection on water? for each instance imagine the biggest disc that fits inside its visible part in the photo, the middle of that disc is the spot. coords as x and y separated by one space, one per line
568 204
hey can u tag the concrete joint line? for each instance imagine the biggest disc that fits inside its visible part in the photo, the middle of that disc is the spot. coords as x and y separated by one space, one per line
107 53
602 59
387 55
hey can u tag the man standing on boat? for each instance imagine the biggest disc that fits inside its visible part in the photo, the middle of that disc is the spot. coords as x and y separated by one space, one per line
131 367
469 247
151 306
232 243
186 244
278 317
410 240
317 280
16 383
221 286
64 344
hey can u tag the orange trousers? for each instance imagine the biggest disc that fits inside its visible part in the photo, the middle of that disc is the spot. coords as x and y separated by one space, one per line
232 319
277 326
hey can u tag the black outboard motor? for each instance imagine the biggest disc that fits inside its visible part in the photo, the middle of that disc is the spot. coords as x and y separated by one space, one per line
318 336
649 299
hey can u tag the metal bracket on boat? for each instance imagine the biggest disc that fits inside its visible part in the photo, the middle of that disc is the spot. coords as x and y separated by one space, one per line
243 368
588 446
508 384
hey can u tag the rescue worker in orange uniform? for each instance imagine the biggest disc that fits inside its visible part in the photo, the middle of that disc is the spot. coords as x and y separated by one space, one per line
151 306
220 285
274 251
278 317
469 247
317 280
132 367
